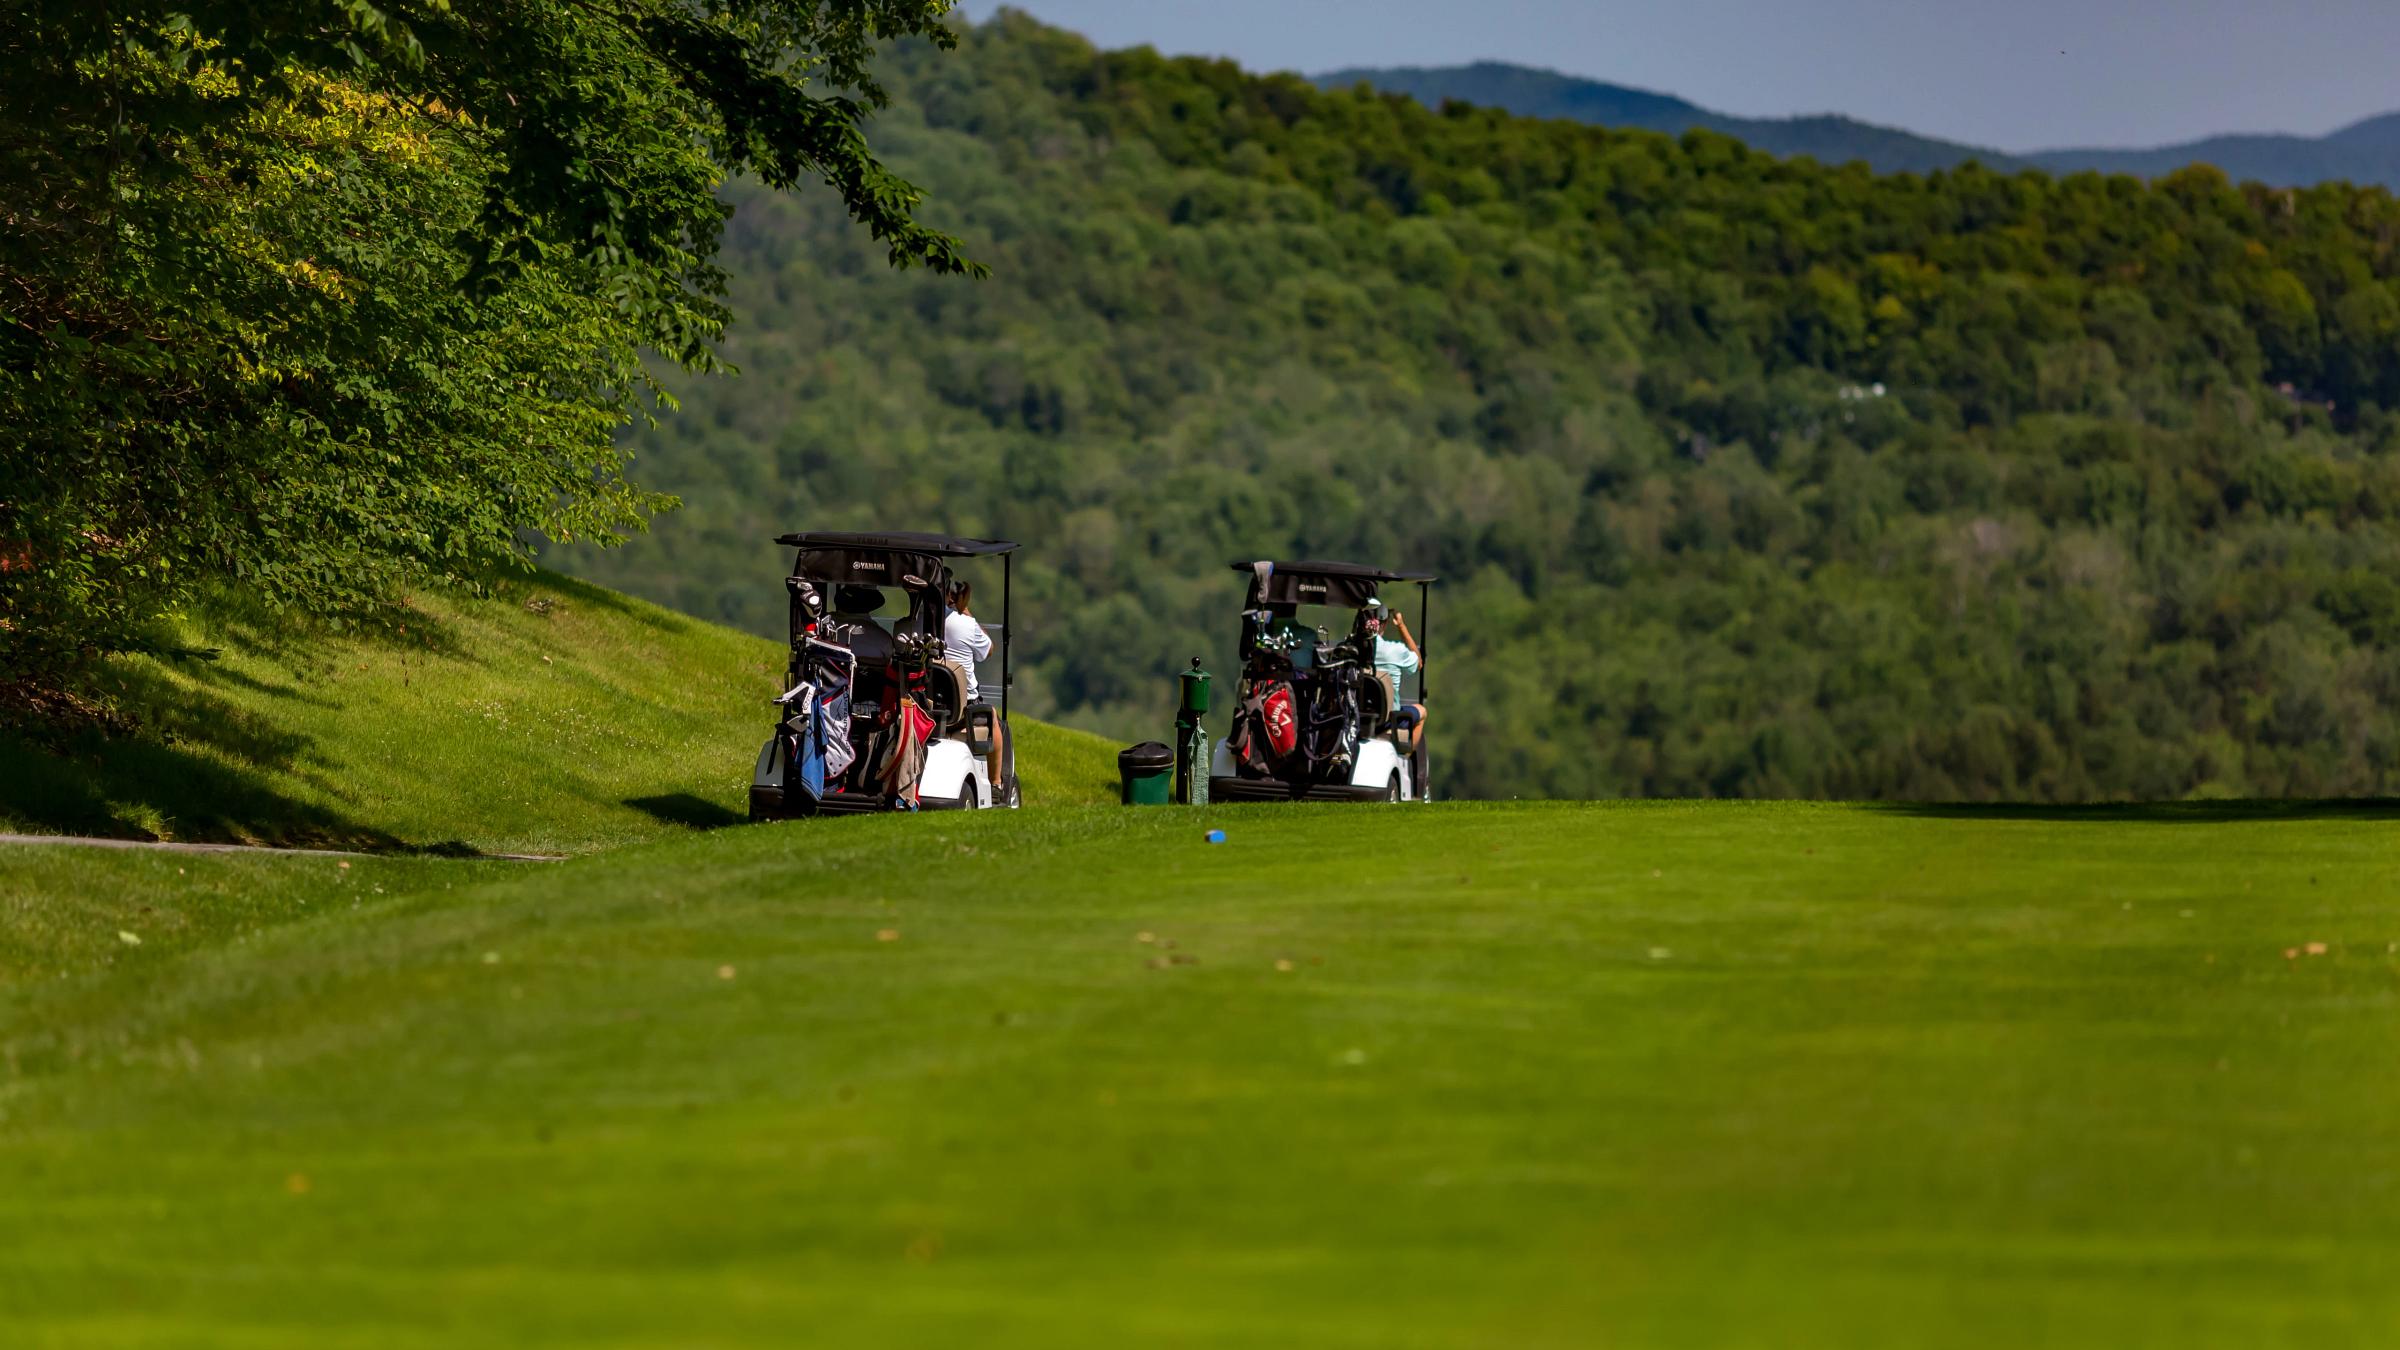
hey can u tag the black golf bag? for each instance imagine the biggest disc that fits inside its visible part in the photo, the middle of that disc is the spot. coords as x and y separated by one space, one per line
1329 721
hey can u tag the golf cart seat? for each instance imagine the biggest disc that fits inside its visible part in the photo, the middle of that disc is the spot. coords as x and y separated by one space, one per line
850 625
977 727
1375 701
946 689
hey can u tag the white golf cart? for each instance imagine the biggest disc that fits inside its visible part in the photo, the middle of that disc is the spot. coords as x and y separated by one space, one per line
874 717
1314 719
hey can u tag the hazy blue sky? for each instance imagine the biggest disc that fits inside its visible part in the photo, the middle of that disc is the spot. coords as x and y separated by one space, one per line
2013 74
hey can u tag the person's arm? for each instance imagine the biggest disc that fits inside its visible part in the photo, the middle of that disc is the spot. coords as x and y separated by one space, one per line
1400 621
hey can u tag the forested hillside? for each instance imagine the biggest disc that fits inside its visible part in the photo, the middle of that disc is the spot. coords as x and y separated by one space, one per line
1746 476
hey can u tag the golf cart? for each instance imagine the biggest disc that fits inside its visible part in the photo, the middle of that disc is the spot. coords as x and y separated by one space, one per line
1314 718
873 716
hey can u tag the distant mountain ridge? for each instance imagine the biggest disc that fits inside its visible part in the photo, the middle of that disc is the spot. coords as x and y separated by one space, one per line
2363 152
2366 152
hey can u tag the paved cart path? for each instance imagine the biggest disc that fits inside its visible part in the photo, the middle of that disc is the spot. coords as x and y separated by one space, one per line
172 846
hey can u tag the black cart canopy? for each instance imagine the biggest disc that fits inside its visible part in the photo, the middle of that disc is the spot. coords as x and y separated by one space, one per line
1347 585
881 558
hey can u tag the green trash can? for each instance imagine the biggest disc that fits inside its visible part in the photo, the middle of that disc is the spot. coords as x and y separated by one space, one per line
1145 774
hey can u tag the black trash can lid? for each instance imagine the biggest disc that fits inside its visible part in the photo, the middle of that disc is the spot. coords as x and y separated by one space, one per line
1147 755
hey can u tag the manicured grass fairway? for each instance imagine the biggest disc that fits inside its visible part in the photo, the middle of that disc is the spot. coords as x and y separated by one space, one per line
1645 1075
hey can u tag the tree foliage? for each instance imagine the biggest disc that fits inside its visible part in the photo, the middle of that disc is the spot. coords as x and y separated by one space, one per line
316 299
1746 476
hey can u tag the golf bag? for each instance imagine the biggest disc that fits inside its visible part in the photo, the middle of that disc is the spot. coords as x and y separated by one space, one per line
833 711
1266 730
904 767
1330 731
816 724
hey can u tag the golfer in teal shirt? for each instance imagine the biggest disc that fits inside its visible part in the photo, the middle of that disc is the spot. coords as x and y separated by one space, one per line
1396 659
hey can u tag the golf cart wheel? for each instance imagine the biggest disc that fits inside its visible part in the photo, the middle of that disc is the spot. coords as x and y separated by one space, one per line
966 796
1391 791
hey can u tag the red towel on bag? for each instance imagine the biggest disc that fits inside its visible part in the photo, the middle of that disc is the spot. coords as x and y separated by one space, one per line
1283 730
907 765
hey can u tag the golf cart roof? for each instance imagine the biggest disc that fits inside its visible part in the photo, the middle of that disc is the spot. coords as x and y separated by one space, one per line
1321 583
899 541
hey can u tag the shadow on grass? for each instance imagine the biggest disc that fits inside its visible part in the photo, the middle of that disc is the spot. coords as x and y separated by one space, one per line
682 808
213 673
199 766
192 766
523 587
122 787
2158 813
305 642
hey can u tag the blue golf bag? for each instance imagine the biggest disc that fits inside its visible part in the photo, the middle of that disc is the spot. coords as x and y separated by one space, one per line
816 724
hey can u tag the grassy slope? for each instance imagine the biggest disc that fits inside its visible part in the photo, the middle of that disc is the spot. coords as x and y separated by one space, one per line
557 717
1639 1074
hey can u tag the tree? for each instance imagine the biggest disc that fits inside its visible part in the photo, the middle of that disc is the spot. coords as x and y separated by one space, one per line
319 299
